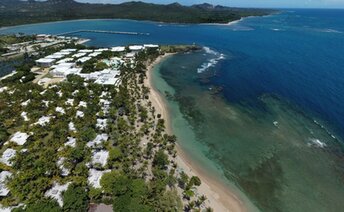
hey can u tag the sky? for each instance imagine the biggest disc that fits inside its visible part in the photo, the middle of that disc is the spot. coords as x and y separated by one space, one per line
247 3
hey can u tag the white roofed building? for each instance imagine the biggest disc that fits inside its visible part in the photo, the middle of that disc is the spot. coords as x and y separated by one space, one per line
118 49
64 171
60 110
44 120
94 177
68 50
24 115
82 104
78 55
101 50
151 46
56 192
130 55
85 51
55 56
65 60
4 175
84 59
71 142
45 62
100 138
20 138
136 48
101 124
100 157
70 102
7 156
80 114
71 127
94 54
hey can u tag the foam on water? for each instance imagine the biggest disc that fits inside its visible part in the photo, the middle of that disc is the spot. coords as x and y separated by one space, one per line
329 31
214 58
317 143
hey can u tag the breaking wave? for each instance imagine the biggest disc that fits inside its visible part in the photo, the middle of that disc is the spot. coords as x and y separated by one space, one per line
215 58
317 143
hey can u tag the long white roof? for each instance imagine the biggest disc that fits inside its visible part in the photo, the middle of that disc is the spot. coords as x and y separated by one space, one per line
19 138
45 60
118 49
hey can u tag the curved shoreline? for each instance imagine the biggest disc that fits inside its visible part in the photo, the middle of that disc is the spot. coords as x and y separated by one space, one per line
219 197
118 19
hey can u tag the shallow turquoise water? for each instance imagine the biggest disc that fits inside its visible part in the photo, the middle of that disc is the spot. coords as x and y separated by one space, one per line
280 167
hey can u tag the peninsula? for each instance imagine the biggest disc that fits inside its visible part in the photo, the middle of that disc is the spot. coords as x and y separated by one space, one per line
15 12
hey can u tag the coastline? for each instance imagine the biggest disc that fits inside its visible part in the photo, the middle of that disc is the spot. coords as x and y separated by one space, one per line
219 197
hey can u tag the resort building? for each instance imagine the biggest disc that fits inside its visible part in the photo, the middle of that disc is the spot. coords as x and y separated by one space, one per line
43 120
60 110
82 104
25 103
78 55
94 177
4 175
71 127
56 192
101 124
70 102
45 62
136 48
20 138
64 171
130 55
80 114
84 59
100 157
151 46
7 156
68 50
85 51
71 142
100 138
24 115
65 60
94 54
118 49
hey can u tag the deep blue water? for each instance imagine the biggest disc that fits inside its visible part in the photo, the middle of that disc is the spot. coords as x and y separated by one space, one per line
296 57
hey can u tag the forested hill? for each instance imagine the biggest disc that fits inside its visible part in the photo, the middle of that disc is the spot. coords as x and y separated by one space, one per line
15 12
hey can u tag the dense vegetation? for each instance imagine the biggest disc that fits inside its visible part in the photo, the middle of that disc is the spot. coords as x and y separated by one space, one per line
142 172
14 12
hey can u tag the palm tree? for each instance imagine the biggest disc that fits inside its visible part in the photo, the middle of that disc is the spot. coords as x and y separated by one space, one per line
209 209
190 206
203 198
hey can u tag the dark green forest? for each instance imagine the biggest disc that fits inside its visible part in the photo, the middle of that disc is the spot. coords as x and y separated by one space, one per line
15 12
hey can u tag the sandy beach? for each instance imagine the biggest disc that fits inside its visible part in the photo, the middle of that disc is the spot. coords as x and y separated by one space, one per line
218 197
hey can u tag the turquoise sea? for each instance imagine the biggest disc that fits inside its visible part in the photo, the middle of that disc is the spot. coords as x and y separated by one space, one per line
260 108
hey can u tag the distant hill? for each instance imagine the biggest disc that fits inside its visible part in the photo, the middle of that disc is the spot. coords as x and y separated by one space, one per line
14 12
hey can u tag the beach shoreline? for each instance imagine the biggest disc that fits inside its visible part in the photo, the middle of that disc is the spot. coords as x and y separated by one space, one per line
219 197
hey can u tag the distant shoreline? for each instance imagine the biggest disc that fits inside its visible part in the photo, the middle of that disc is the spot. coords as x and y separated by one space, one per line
120 19
219 198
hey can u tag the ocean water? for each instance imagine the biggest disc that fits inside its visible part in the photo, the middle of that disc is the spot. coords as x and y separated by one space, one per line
260 107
